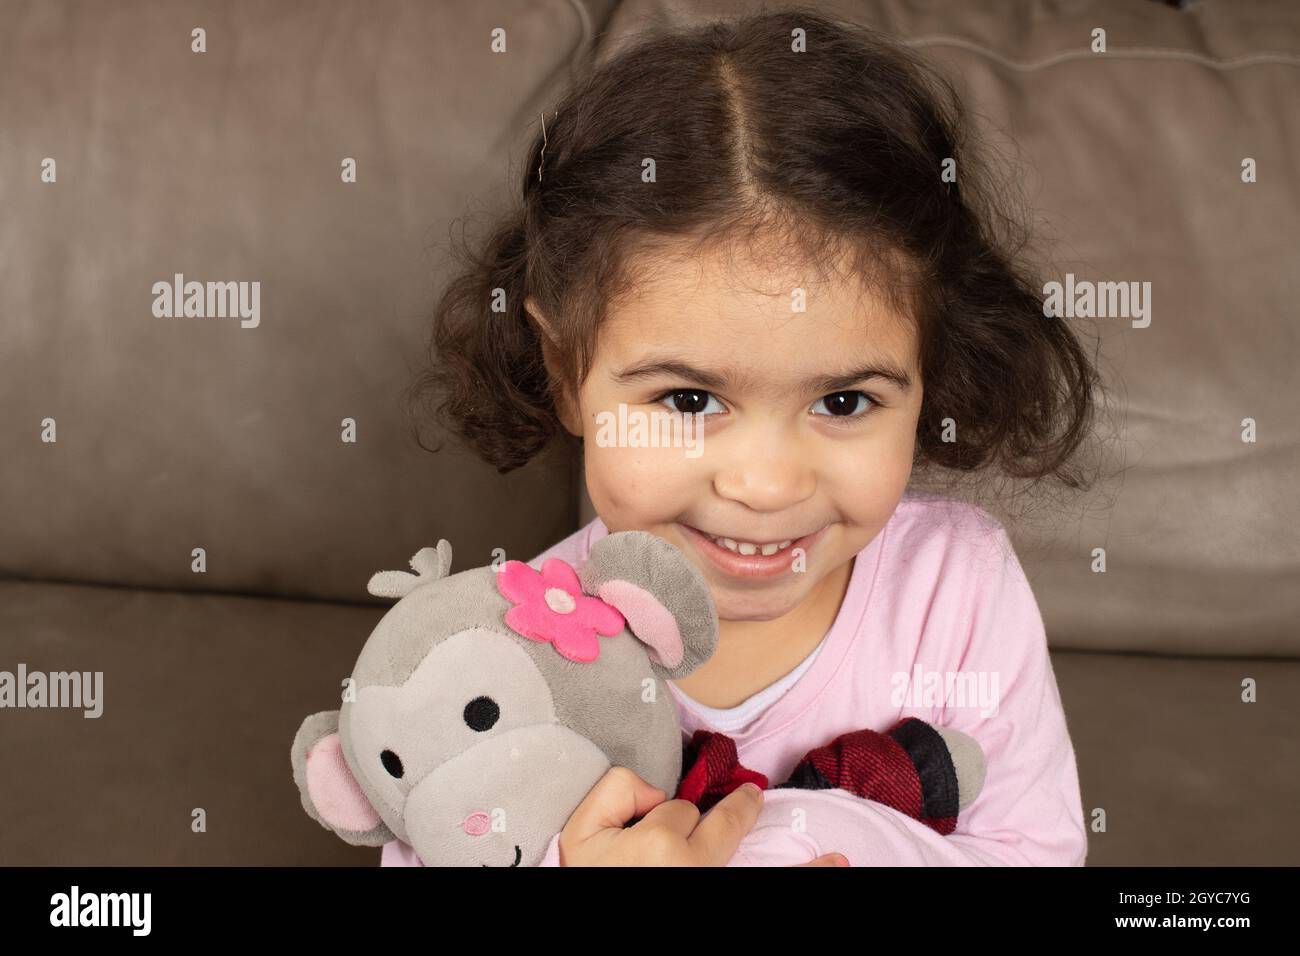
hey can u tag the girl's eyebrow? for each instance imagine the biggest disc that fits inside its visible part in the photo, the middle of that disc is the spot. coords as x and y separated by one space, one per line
729 378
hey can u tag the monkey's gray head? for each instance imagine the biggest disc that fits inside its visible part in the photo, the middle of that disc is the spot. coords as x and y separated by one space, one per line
486 704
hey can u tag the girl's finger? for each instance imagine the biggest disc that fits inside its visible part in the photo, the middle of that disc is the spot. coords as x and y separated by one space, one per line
723 827
680 816
617 797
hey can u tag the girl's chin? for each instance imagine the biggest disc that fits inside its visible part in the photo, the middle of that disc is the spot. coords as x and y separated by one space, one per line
755 606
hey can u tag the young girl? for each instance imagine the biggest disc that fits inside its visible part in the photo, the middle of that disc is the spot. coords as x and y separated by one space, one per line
758 221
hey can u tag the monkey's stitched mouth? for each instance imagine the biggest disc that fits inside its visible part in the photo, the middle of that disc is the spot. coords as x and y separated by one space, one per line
519 855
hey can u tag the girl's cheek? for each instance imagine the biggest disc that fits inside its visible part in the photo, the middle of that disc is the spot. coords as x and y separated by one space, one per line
635 484
614 479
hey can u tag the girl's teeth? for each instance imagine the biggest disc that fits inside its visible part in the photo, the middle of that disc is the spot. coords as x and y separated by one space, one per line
745 547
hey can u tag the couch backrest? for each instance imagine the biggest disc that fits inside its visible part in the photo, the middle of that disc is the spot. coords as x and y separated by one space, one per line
227 166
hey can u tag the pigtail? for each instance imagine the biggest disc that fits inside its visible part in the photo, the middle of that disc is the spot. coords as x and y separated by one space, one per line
486 381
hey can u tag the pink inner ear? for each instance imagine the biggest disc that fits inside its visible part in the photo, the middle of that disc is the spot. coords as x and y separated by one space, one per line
651 622
334 791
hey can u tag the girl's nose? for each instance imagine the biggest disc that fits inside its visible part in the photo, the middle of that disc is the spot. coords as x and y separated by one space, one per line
767 483
476 824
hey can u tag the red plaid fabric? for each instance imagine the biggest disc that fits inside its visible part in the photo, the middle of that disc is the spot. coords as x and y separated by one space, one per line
871 765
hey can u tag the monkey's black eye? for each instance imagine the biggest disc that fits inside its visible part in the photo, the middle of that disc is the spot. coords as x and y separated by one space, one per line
392 763
481 713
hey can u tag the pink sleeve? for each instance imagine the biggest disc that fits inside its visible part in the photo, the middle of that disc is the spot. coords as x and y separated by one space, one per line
552 857
397 853
573 549
1030 810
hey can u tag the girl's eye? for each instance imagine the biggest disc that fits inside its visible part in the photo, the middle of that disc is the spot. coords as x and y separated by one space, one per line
845 404
688 401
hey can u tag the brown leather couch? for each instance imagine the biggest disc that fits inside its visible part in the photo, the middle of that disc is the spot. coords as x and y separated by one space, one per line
175 434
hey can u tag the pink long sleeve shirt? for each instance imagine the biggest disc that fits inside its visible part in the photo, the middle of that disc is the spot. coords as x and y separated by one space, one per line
938 622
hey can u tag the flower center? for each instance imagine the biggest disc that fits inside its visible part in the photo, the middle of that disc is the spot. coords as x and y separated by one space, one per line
559 600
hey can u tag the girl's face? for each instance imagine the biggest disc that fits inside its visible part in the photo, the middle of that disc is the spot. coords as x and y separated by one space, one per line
799 440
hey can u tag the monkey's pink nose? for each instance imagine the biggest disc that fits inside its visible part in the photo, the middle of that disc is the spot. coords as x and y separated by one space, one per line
476 824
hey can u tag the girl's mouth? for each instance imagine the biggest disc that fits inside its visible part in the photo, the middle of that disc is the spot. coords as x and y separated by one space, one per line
731 557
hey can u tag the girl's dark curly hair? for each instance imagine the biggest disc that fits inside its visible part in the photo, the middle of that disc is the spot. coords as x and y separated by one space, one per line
836 149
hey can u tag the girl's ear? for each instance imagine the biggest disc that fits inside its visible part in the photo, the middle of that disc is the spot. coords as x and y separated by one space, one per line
663 597
564 404
536 314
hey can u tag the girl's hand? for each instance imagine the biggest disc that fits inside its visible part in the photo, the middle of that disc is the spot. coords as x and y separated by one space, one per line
671 833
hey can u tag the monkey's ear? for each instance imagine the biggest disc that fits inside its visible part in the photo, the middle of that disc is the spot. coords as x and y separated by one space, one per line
330 793
429 564
662 596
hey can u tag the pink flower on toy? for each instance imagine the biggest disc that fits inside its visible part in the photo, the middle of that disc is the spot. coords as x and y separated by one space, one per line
550 606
